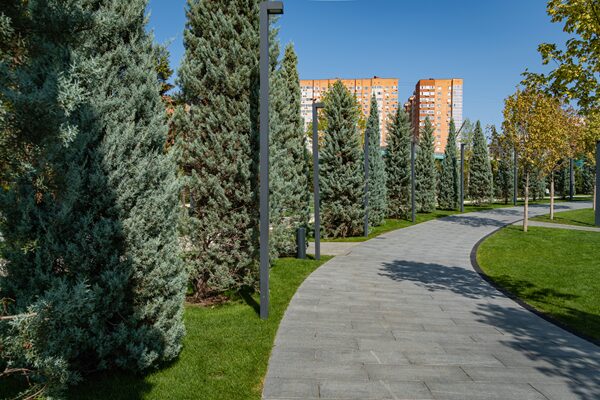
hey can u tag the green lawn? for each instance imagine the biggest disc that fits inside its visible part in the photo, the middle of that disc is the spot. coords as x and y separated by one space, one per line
225 353
584 217
554 270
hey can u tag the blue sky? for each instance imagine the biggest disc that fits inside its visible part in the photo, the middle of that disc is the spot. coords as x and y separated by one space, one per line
488 43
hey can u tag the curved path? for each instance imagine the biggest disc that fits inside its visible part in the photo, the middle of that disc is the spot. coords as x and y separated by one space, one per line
404 316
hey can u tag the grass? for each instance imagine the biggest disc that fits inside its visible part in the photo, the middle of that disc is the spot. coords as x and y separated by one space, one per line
555 271
225 352
584 217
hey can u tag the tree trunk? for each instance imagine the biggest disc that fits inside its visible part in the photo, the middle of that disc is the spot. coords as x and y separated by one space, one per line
526 208
552 196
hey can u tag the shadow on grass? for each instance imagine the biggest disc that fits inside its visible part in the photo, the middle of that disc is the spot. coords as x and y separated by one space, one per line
559 354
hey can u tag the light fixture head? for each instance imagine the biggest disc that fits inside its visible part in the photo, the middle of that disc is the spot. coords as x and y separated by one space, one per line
273 7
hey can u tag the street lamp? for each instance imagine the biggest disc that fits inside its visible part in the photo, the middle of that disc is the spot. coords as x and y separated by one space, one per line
316 189
571 179
413 146
266 8
462 177
366 199
598 183
515 176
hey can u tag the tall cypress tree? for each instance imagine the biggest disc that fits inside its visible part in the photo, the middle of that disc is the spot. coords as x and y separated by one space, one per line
377 174
90 226
480 169
425 171
397 165
449 184
289 169
219 130
342 171
502 163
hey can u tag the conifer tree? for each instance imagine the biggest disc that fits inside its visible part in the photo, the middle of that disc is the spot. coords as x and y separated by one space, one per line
90 225
289 169
341 162
449 185
425 171
397 165
377 175
219 143
502 162
480 170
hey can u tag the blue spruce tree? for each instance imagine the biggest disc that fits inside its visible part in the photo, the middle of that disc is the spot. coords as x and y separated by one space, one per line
341 161
480 169
377 174
397 165
449 184
425 171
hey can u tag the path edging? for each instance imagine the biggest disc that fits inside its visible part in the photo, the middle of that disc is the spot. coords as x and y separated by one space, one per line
519 301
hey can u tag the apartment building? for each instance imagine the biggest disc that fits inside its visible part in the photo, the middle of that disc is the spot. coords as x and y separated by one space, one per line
385 90
440 100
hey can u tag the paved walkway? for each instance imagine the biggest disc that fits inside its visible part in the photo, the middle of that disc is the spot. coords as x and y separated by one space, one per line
333 248
404 316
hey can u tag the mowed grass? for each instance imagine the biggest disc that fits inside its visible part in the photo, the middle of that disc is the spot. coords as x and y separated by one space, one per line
225 352
584 217
557 271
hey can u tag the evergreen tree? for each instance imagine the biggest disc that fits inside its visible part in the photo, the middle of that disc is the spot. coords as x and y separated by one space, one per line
502 161
588 177
341 162
219 143
425 171
480 170
289 169
449 185
397 165
90 225
561 181
377 175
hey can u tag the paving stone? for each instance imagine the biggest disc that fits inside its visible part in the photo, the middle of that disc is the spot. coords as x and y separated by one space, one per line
391 318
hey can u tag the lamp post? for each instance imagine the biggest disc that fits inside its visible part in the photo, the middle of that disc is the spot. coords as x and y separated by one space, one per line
571 179
598 183
366 198
316 189
267 8
515 177
412 180
462 177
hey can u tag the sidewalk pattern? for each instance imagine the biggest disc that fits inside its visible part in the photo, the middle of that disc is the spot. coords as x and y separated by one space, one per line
404 316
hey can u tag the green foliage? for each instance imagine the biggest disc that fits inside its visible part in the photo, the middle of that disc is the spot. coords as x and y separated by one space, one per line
377 174
342 171
163 69
289 167
562 181
480 170
425 171
397 164
449 184
578 63
219 143
226 351
90 223
587 176
502 162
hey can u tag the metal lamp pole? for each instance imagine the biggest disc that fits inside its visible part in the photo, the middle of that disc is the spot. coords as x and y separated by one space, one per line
266 8
597 183
316 189
366 198
462 177
413 146
571 179
515 177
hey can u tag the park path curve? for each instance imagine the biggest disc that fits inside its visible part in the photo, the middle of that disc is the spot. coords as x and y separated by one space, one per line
405 316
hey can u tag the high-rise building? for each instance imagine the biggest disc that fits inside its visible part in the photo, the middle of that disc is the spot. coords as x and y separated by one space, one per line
440 100
385 90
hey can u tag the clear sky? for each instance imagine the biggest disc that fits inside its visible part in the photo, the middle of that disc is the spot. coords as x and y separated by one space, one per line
488 43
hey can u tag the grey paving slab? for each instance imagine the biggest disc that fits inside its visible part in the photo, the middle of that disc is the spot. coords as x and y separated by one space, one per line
404 316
